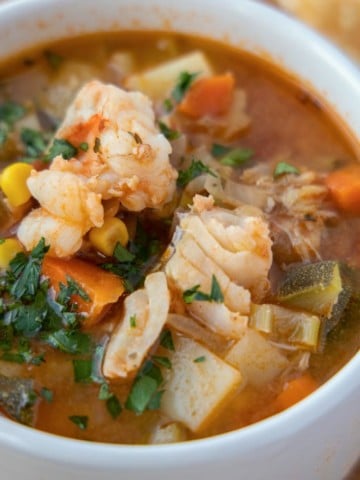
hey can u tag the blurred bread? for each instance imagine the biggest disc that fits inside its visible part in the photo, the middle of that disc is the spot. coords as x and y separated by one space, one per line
339 19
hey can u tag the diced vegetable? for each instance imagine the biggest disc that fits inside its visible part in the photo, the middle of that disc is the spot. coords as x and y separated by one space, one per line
13 183
258 361
286 326
8 249
159 81
102 287
209 96
171 433
320 288
295 391
195 392
106 237
344 186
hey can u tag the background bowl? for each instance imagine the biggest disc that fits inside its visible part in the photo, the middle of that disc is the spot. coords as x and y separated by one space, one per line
320 437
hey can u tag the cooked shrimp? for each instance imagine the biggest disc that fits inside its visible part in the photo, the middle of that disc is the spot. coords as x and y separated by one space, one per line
145 314
233 248
127 158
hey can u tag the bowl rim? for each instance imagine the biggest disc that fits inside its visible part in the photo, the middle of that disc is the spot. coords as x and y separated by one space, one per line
114 456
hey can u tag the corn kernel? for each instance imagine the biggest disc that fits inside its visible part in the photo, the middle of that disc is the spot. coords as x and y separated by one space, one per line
8 249
13 183
106 237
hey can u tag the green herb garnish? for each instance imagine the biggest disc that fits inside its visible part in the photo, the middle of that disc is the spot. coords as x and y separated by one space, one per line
283 168
82 371
61 147
113 406
69 341
200 359
84 146
166 340
183 83
133 321
194 294
145 388
47 394
122 254
35 142
237 157
163 361
196 169
80 421
168 105
168 132
11 112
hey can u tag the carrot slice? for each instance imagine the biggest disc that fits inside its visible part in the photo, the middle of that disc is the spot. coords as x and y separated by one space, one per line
295 391
344 186
209 96
102 287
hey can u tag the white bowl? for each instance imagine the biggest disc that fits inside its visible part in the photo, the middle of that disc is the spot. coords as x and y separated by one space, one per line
319 438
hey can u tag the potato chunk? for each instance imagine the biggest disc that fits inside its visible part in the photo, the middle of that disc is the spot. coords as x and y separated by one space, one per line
258 361
198 385
159 81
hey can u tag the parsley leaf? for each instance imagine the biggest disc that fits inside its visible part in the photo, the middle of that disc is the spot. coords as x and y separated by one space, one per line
113 406
166 340
61 147
194 294
163 361
168 105
283 168
80 421
69 341
168 132
183 83
104 392
200 359
237 157
47 394
218 150
84 146
122 254
196 169
26 271
11 112
82 371
35 142
145 388
132 321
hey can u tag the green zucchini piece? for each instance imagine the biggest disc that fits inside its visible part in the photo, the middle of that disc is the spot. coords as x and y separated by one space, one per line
321 288
17 398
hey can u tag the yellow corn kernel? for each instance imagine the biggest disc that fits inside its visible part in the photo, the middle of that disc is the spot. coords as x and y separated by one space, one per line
106 237
8 249
13 183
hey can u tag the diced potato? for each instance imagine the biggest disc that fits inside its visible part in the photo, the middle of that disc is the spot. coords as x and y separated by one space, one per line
159 81
198 384
172 433
258 361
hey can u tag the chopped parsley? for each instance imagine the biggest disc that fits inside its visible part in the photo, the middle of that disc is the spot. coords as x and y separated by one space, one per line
61 147
168 105
53 59
200 359
80 421
122 254
113 406
283 168
196 169
11 112
47 394
84 146
194 294
133 321
218 150
168 132
69 341
82 371
35 142
144 393
162 361
232 157
166 340
183 83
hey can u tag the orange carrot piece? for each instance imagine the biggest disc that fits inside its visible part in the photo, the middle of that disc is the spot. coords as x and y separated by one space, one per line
102 287
209 96
344 186
295 391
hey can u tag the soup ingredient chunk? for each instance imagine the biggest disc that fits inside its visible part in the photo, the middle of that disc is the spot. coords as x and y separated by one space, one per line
198 384
344 186
145 314
126 157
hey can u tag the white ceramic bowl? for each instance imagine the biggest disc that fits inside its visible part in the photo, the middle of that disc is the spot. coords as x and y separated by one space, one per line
317 439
